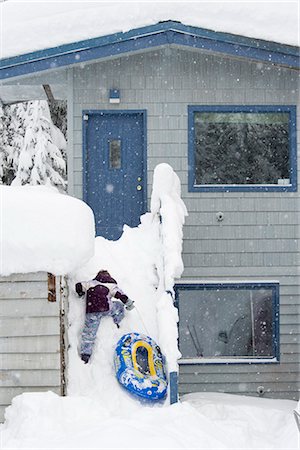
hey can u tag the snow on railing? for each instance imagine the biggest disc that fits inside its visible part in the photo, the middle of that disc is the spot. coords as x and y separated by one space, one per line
167 205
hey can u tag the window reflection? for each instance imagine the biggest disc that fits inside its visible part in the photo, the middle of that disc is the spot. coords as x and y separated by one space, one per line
226 323
242 148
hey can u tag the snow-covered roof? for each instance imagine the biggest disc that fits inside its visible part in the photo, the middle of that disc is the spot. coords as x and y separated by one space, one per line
43 230
149 37
30 26
49 27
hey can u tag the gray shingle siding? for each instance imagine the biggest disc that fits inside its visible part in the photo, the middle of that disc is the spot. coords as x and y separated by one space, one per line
30 340
259 236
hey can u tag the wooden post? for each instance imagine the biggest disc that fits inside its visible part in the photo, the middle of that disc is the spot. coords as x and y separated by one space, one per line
51 288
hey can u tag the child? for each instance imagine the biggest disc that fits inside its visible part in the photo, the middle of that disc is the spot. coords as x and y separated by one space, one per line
99 303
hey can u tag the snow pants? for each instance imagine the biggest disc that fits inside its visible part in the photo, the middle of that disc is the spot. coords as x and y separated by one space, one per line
91 325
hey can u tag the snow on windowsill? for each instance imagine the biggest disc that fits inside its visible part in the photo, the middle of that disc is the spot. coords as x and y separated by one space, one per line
226 281
242 186
184 361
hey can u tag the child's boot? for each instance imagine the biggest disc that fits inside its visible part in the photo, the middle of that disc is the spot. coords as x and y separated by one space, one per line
85 358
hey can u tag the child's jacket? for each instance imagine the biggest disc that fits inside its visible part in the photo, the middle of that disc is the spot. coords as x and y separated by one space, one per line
99 293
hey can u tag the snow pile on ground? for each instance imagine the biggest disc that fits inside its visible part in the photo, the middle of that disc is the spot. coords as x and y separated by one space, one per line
29 26
139 261
132 262
206 420
43 230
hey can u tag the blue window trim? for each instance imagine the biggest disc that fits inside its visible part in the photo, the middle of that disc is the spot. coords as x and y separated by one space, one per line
103 112
274 286
163 33
290 109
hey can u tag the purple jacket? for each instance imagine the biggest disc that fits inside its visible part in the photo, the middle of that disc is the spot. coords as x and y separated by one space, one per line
99 292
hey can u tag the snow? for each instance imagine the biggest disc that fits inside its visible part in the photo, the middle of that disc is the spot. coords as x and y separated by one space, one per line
167 206
40 158
166 202
131 261
138 262
203 420
98 413
43 230
29 26
227 360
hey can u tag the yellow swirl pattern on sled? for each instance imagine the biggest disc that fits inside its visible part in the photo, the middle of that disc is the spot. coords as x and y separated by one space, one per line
148 347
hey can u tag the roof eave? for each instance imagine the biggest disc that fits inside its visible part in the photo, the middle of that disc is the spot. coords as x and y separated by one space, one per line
164 33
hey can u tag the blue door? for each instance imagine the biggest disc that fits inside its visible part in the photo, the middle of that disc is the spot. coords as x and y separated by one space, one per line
114 172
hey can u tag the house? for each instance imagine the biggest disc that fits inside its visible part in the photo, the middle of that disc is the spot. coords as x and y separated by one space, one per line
222 110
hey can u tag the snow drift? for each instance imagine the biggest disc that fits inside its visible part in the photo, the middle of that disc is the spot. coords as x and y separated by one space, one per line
203 420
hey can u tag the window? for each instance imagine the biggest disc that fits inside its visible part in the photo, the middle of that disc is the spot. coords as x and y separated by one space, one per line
242 148
228 322
115 154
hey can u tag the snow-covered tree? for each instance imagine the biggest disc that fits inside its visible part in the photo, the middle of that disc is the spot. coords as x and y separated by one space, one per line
32 149
12 124
58 111
2 154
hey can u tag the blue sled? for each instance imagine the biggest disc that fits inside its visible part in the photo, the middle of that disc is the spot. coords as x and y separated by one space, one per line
139 366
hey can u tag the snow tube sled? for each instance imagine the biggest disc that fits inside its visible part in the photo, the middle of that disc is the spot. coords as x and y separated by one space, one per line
139 366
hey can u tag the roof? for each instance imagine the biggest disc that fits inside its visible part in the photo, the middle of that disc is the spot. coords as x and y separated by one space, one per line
28 26
163 33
